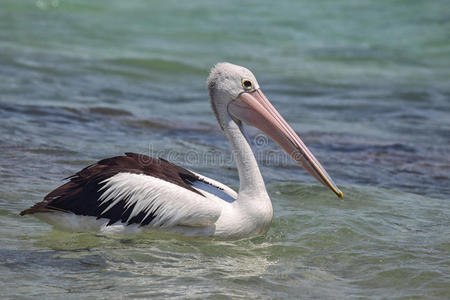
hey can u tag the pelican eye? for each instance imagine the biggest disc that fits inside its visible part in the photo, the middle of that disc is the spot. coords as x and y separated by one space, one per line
247 84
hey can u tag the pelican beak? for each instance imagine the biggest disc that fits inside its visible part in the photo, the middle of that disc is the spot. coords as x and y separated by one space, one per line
255 109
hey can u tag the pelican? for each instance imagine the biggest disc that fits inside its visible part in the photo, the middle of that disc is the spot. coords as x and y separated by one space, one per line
134 193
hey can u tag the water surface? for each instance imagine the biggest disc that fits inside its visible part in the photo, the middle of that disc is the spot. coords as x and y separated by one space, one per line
364 83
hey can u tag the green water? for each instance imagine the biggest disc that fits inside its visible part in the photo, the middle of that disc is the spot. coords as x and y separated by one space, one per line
366 84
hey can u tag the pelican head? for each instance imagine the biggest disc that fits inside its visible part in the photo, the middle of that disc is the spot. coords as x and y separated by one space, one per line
236 97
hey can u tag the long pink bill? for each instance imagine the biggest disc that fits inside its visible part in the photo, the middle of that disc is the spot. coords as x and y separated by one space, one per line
255 109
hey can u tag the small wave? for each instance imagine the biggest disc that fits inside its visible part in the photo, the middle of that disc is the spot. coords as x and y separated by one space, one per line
69 113
157 65
108 111
180 125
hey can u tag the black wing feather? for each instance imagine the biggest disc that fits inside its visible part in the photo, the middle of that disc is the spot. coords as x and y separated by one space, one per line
81 194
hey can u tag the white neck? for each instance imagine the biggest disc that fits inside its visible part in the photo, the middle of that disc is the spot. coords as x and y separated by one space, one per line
250 179
253 210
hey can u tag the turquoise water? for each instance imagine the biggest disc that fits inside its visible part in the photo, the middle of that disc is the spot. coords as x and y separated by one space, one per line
366 84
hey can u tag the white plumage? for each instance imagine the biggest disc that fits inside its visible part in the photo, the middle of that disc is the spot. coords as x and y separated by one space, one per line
171 204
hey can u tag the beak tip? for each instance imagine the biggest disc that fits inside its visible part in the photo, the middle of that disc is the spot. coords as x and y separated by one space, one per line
341 195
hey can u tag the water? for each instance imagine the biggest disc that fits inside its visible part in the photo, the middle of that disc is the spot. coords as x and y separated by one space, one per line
365 83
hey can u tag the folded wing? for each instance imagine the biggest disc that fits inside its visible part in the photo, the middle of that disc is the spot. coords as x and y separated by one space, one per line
134 189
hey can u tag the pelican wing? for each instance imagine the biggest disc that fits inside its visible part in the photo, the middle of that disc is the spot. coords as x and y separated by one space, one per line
134 189
207 185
